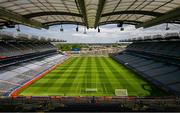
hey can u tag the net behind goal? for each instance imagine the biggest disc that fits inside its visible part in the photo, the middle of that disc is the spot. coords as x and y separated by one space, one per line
121 92
91 90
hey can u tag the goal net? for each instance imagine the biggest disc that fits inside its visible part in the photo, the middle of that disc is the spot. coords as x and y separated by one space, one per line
121 92
91 89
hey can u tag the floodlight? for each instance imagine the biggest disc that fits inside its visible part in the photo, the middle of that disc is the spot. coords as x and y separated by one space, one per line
99 30
18 28
77 28
61 29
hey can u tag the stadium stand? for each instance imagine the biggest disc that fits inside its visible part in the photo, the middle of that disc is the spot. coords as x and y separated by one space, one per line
23 72
157 61
22 60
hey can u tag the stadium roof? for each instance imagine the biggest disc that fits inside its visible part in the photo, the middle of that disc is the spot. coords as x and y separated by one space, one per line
90 13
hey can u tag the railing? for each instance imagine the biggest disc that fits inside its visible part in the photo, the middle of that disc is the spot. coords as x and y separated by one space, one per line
130 103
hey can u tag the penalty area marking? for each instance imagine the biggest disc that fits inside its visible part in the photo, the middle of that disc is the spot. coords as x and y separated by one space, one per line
121 92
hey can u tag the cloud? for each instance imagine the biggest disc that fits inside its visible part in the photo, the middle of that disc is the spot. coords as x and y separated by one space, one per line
80 35
109 33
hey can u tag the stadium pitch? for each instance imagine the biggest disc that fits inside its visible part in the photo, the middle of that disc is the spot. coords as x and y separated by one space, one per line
90 76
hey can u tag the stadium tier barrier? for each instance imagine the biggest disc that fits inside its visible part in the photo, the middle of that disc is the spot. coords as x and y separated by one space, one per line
11 50
170 49
157 62
58 103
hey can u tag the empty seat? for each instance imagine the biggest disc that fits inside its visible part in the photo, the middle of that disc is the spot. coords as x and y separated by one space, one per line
156 61
175 87
161 71
169 78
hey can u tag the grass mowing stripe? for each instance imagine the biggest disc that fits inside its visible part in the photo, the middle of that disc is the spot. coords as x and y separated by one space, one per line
94 73
61 69
84 83
71 78
76 80
134 85
100 80
86 74
131 84
77 73
108 76
89 75
107 87
80 78
114 75
117 74
55 77
38 86
52 79
67 63
50 82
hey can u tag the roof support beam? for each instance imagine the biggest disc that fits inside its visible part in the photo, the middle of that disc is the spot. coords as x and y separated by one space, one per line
118 21
99 12
31 15
156 14
81 5
168 17
10 16
62 22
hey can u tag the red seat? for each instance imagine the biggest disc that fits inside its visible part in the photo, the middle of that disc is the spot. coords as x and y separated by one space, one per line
3 57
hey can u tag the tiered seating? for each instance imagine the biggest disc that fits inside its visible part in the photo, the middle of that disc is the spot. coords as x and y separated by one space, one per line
16 52
10 49
168 48
22 59
156 61
4 86
175 36
14 76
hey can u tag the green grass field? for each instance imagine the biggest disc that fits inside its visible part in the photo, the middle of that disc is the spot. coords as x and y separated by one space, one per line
76 75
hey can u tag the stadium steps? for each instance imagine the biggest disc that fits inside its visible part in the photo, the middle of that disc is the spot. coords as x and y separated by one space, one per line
156 61
169 78
24 72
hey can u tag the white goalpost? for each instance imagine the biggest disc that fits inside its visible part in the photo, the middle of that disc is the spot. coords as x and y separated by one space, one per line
91 89
121 92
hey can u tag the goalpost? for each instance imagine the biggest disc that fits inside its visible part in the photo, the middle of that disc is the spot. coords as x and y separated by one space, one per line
91 89
121 92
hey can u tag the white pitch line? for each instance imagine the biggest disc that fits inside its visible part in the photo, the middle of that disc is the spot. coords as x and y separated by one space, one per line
105 88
